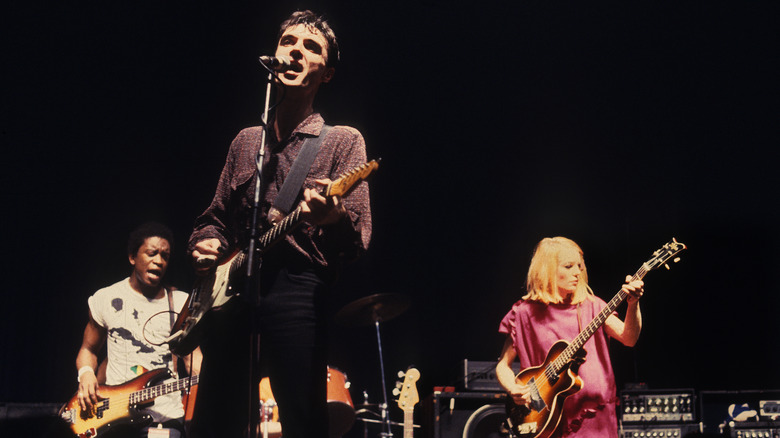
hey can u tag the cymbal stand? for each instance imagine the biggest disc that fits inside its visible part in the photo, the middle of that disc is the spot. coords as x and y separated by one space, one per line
365 424
385 417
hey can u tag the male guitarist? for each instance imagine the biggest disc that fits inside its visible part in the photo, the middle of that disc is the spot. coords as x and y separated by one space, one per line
131 317
558 305
296 273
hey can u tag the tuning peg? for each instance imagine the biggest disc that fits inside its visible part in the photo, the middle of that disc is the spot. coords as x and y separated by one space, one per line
676 259
396 392
667 266
401 374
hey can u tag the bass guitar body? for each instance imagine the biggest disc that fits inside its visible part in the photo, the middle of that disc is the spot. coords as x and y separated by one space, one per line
116 407
549 390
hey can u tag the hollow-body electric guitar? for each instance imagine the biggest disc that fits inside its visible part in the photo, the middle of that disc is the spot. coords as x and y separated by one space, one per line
121 404
554 380
213 291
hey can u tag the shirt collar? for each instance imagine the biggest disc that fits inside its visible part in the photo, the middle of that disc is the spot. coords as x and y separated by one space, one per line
310 126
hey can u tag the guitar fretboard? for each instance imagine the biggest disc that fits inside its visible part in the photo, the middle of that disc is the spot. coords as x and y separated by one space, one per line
555 367
147 394
279 230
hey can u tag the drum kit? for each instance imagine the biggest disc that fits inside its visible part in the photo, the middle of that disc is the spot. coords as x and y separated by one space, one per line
370 310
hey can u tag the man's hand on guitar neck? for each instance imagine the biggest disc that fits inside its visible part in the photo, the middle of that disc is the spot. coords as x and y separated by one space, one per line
318 210
205 254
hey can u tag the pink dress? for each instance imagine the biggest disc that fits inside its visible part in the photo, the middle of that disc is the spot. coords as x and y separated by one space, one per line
535 327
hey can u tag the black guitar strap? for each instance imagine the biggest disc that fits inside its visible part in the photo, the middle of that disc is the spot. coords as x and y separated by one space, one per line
287 195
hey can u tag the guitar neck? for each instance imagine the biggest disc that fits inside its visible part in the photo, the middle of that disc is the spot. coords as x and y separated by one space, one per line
563 359
409 423
279 230
340 187
153 392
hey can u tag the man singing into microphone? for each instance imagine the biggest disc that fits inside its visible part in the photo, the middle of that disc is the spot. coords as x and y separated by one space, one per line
295 274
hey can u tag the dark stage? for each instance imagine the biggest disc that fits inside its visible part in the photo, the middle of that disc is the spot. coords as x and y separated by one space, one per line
619 125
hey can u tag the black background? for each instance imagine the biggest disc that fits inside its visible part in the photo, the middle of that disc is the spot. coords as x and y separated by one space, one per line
617 125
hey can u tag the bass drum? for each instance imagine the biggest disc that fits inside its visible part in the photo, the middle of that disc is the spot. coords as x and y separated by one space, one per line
341 411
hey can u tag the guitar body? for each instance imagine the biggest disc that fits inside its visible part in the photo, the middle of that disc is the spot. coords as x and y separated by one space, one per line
543 415
210 292
114 409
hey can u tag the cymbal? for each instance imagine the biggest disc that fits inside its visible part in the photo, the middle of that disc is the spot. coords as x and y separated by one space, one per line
372 309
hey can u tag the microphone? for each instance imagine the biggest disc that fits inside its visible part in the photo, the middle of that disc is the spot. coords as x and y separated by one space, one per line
278 63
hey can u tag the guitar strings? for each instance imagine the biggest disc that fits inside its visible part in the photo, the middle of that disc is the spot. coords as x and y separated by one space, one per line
553 369
123 401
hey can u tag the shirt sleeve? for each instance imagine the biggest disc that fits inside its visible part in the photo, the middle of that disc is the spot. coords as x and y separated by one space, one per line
350 237
96 310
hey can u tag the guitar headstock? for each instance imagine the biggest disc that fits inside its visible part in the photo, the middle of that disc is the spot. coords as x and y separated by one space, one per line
662 255
407 391
346 181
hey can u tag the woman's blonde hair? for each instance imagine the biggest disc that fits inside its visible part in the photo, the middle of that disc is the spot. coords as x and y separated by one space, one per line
542 284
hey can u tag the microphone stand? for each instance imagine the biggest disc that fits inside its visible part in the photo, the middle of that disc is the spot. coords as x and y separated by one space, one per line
251 290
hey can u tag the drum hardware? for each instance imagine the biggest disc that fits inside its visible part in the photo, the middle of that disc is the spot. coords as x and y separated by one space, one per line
392 423
370 310
267 418
366 412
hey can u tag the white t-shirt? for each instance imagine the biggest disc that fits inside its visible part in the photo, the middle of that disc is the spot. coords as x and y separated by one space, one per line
132 321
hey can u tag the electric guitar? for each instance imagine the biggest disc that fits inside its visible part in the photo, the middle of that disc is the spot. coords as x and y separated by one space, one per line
554 380
122 403
215 290
407 398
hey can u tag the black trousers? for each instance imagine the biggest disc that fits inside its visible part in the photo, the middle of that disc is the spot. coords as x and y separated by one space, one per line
290 322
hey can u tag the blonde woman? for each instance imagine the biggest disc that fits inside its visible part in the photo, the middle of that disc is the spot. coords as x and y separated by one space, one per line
558 306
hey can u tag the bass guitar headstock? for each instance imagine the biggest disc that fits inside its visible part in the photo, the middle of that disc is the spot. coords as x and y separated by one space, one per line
407 390
662 255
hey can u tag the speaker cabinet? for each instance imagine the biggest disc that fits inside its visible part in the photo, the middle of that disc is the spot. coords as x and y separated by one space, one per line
465 415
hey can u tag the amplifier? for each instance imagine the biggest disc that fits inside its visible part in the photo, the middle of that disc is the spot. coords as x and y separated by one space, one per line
659 430
479 375
758 429
464 415
658 406
743 412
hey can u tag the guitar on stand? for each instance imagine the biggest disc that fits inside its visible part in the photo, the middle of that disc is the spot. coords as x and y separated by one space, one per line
554 380
407 398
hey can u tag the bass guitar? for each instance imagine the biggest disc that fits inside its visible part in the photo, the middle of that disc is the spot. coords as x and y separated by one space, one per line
213 291
122 403
554 380
407 398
